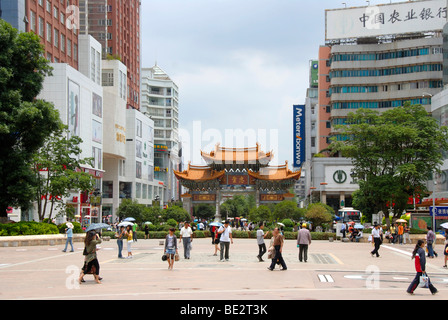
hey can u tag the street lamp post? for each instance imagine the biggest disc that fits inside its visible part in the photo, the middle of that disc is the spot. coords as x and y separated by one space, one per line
321 185
311 194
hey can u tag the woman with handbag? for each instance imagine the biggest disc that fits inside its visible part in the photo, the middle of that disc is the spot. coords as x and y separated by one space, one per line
421 279
91 264
171 252
278 246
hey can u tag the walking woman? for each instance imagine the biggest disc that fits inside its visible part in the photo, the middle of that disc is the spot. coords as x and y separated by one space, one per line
420 267
130 239
278 245
91 261
171 248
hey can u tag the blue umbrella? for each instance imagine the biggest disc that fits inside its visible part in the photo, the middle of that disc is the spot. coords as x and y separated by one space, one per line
358 226
215 224
95 226
129 219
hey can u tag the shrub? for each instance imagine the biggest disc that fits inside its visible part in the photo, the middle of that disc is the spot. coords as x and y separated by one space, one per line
172 223
27 228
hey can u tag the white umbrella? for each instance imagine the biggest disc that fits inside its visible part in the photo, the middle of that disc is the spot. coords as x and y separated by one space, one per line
69 225
281 224
445 225
125 224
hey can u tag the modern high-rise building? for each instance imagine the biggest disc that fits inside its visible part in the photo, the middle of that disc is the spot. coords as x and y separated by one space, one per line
116 25
390 54
160 102
54 21
375 57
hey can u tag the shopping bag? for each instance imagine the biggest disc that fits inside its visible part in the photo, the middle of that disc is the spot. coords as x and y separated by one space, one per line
176 257
424 281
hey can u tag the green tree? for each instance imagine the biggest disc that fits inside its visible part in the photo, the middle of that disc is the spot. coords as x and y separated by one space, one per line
177 213
204 211
55 167
131 208
286 209
393 154
318 214
235 207
260 214
24 121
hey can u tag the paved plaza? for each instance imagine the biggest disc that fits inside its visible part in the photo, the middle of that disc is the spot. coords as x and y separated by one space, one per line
335 270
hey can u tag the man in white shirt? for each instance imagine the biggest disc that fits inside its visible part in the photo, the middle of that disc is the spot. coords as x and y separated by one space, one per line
376 234
186 238
261 245
226 238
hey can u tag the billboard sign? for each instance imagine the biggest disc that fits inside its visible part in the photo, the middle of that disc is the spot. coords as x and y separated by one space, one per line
314 73
299 135
386 19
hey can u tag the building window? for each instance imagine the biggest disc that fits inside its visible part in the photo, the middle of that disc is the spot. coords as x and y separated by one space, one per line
41 27
33 21
56 38
49 32
69 47
49 6
108 78
55 12
62 43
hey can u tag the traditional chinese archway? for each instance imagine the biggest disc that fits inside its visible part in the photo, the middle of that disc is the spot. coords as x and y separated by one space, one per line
233 171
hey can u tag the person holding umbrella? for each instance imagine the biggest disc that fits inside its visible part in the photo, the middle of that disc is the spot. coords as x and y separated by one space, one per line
91 261
69 233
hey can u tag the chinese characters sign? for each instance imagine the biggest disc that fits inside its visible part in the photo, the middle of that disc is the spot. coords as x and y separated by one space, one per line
387 19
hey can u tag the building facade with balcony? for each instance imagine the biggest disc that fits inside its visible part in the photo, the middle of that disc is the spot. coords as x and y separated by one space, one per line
160 102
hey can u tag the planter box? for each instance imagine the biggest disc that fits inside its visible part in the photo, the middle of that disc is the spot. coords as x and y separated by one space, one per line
41 240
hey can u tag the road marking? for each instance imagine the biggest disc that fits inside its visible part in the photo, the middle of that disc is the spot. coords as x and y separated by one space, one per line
325 278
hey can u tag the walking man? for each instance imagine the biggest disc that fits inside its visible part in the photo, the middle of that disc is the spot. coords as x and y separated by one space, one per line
261 245
376 234
303 241
185 237
226 238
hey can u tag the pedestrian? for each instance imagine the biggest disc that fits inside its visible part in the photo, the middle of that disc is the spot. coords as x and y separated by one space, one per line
260 241
406 234
226 238
130 239
69 233
430 239
146 231
120 235
134 232
278 247
445 251
420 266
186 238
400 232
393 233
376 234
303 241
171 248
216 240
343 230
91 261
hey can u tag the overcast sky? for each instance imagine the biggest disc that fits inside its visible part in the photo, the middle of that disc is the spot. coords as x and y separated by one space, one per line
239 64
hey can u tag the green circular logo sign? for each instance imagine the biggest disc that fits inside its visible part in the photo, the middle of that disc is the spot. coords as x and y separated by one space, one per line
340 177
